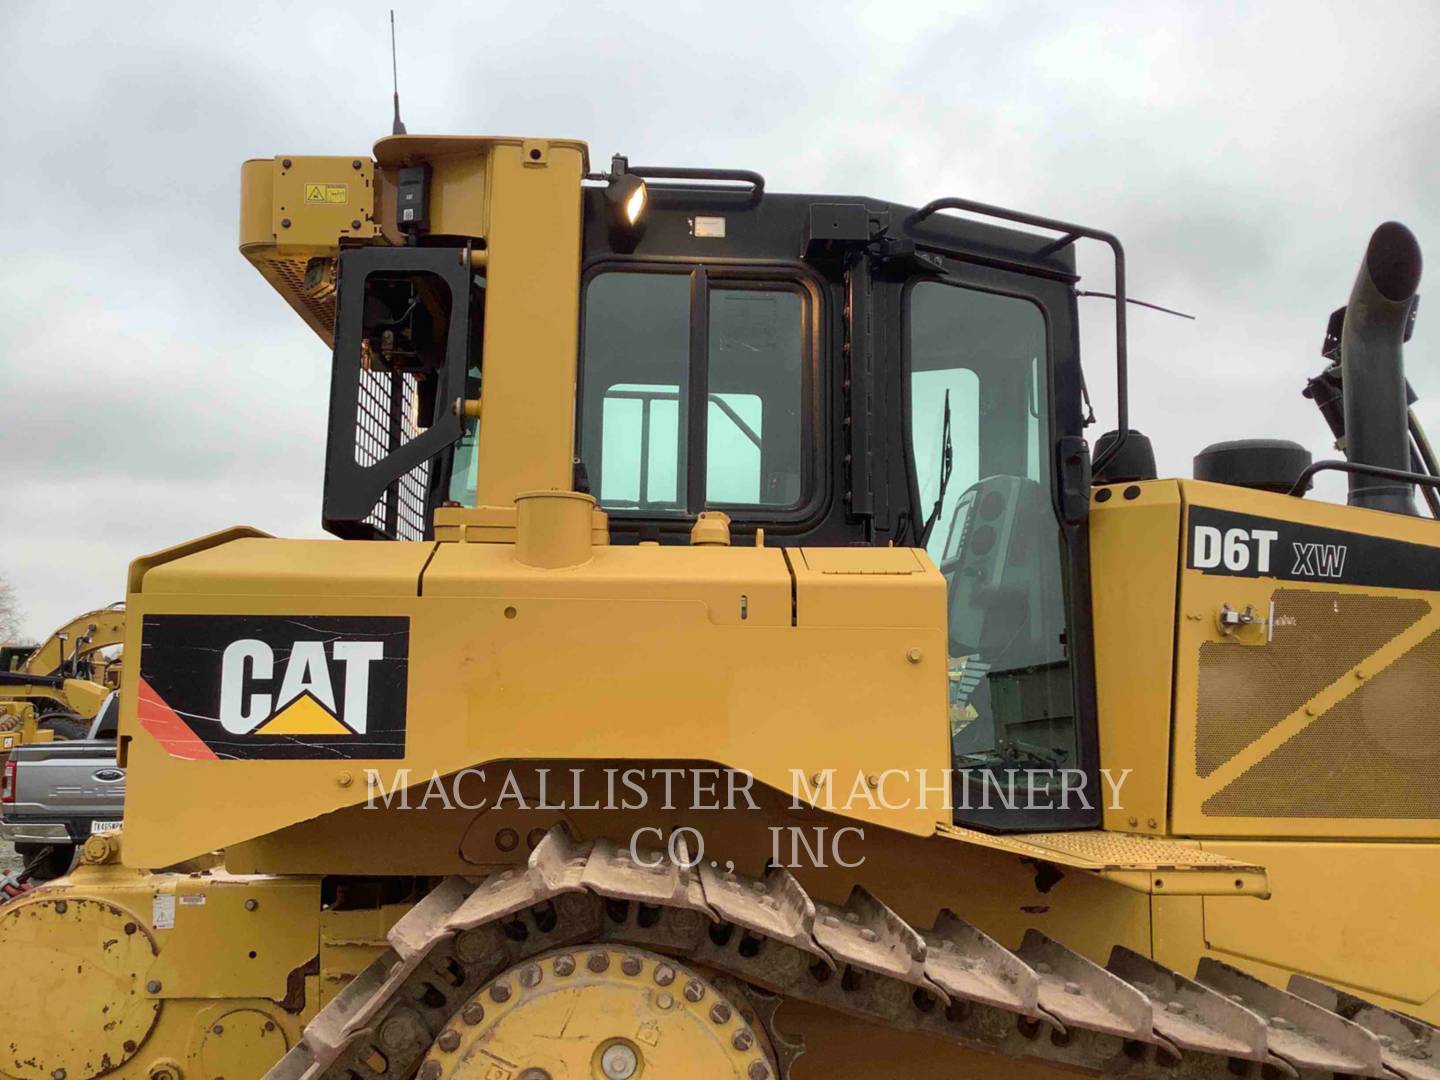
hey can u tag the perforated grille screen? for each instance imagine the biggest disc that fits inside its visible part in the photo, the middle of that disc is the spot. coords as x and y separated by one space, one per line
384 422
288 275
1316 636
1374 754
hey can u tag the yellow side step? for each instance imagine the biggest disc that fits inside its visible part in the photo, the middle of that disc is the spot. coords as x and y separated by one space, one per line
1142 863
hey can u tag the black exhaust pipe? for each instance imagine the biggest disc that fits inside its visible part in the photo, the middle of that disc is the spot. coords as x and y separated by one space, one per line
1373 368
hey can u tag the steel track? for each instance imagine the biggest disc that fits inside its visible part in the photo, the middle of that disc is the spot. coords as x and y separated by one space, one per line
1042 1001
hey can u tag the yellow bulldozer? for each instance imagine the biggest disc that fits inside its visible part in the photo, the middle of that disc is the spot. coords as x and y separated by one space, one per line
53 690
735 662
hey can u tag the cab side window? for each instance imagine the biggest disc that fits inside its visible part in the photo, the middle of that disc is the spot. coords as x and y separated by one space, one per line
636 387
693 393
753 420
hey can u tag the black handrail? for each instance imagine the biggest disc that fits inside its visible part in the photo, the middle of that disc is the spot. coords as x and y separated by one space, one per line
1302 484
670 172
18 678
1071 233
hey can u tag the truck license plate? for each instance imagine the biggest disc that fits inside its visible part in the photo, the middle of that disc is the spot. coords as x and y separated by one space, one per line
104 826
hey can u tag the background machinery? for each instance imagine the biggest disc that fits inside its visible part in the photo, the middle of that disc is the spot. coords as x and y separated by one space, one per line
55 689
733 649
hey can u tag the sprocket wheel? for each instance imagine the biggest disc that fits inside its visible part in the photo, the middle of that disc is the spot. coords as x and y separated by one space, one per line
599 1013
757 1008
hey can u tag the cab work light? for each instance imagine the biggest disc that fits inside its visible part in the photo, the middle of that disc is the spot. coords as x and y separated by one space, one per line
627 195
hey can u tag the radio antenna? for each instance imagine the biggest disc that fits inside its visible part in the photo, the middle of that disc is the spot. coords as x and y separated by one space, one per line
1137 303
398 126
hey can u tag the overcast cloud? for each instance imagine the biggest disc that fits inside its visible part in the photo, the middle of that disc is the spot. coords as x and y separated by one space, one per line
155 388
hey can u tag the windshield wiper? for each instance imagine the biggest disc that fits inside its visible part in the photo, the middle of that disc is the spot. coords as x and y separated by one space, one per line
947 461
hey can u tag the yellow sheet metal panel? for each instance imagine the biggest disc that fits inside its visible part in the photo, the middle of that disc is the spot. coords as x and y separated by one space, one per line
1360 916
1178 929
459 186
650 678
460 181
267 568
350 939
886 561
456 839
234 936
316 202
235 573
240 1041
1312 719
675 687
1134 560
70 1004
527 438
738 586
143 564
95 960
299 205
240 798
294 208
857 587
640 654
257 202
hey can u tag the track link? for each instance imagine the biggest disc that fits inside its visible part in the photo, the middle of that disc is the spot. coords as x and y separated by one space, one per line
1042 1001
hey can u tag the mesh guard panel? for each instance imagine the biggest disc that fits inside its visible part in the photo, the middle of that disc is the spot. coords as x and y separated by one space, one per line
402 342
1374 755
1316 636
384 422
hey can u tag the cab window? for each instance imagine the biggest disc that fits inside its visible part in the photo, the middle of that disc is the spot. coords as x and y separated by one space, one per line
657 345
636 390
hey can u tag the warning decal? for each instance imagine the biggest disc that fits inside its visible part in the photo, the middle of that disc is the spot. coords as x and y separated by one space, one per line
334 194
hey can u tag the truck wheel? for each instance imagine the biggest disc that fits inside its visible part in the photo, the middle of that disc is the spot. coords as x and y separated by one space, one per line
65 725
55 863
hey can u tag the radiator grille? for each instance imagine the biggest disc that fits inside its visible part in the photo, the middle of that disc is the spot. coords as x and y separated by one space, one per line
1316 636
1374 755
384 422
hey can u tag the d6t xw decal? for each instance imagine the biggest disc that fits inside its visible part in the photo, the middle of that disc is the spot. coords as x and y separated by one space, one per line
275 686
1243 545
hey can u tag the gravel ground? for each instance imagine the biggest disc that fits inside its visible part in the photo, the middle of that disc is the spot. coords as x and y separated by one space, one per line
9 861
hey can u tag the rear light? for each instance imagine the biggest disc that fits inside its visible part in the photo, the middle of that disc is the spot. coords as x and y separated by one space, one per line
7 783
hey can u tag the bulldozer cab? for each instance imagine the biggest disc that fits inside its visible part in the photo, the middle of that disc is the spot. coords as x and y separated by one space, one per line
14 657
830 395
825 371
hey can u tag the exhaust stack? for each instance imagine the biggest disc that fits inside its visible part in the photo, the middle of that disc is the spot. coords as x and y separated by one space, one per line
1373 368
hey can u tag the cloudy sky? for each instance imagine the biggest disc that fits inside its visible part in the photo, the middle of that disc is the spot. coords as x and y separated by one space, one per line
155 388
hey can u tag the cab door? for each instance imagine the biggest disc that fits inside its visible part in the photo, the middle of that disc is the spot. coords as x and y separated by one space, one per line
992 385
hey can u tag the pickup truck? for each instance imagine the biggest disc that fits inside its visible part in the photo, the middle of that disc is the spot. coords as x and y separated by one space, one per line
55 794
